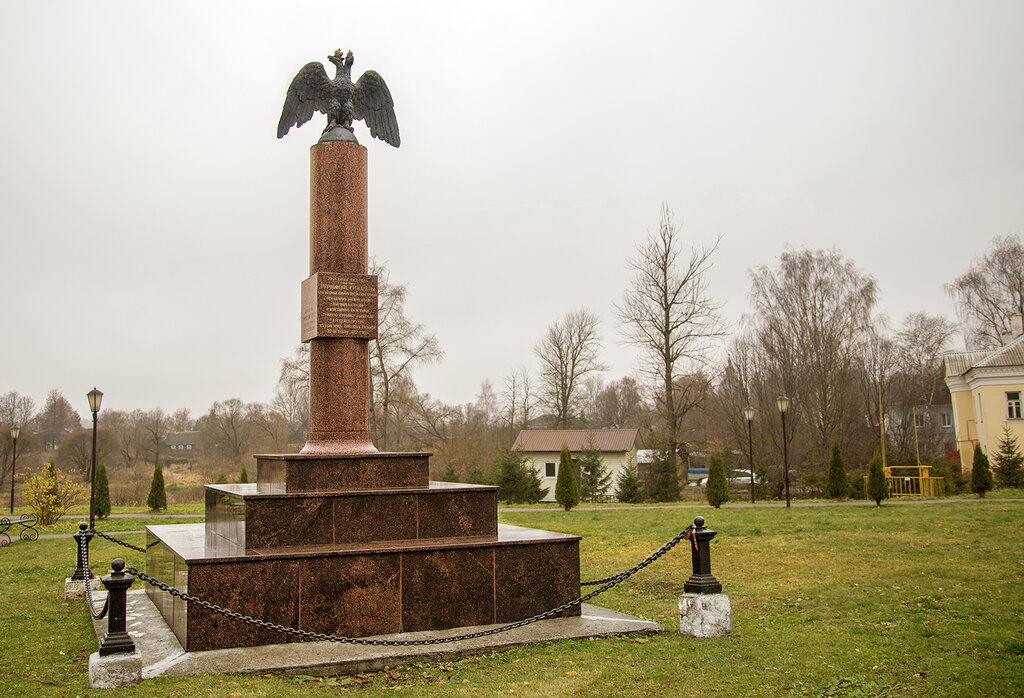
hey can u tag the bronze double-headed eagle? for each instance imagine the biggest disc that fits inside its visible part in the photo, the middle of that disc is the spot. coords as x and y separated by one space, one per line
368 99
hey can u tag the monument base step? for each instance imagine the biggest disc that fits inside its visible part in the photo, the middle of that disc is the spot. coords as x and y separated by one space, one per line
162 655
358 589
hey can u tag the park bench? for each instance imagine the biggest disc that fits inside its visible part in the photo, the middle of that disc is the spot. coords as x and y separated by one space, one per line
27 525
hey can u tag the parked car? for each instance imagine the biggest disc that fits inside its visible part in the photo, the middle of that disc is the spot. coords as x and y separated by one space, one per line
737 478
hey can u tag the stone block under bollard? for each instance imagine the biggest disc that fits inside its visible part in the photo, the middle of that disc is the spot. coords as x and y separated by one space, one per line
703 610
705 615
114 670
74 589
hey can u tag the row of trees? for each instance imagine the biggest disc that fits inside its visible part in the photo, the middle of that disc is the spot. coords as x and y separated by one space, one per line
814 333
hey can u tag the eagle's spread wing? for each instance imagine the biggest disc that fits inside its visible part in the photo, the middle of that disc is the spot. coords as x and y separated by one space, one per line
309 92
373 104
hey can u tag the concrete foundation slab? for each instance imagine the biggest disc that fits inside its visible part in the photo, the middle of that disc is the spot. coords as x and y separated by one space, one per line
162 655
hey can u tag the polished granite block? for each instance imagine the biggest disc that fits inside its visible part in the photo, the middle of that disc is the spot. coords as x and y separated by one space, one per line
362 589
246 516
266 590
305 472
531 579
447 588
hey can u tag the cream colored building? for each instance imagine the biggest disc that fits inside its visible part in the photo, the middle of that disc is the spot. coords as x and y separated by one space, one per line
542 448
986 388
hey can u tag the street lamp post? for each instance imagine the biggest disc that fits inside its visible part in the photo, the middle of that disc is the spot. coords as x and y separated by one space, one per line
748 412
95 397
783 404
15 433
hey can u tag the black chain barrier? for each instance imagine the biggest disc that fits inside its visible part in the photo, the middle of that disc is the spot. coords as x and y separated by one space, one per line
83 546
607 583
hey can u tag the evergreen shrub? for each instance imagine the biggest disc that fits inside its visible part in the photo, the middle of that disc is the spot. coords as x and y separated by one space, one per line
157 498
981 473
717 489
567 492
102 492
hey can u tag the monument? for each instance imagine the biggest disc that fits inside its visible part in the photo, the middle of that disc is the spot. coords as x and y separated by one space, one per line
341 538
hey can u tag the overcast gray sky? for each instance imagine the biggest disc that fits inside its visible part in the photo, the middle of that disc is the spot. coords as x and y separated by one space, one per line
155 232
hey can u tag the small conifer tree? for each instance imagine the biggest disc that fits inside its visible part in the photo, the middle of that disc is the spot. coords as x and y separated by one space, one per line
102 492
717 490
476 476
157 498
594 477
878 488
244 476
628 487
222 479
981 473
1009 461
450 473
838 485
664 477
567 493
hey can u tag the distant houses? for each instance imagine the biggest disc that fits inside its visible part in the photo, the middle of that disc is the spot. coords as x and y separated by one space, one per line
541 447
986 389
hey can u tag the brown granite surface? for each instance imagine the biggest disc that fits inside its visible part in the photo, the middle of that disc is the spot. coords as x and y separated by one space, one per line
339 368
305 472
339 403
244 517
447 588
337 208
362 589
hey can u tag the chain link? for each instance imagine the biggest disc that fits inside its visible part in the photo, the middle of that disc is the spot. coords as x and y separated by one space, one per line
606 583
115 540
83 546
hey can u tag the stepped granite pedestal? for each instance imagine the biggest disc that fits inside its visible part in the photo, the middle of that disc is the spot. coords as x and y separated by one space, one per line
340 538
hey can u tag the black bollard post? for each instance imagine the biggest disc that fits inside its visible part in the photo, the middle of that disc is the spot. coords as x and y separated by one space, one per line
117 640
702 581
81 550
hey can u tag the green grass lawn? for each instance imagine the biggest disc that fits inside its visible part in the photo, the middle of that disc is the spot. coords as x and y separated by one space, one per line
923 599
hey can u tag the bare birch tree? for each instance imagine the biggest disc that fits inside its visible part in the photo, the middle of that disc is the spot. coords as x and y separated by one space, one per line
401 345
811 318
990 292
568 352
667 312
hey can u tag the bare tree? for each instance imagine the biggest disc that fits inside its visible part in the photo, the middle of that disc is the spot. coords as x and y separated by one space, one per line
669 315
226 431
156 425
15 411
401 344
181 420
76 450
517 402
131 433
568 352
55 420
990 292
291 398
811 317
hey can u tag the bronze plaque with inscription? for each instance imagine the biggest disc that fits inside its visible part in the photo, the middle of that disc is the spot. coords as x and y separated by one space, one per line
339 305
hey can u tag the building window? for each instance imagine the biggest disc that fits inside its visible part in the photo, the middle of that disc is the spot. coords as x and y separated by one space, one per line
947 419
1013 405
549 469
918 419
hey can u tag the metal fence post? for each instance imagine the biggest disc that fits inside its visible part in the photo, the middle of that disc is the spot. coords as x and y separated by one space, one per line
81 551
702 581
117 640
